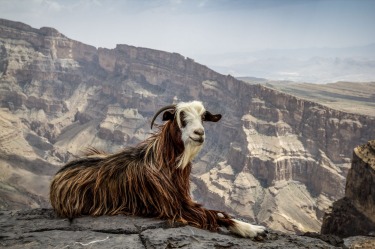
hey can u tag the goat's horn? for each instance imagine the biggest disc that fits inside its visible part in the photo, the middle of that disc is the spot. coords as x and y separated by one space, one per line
168 107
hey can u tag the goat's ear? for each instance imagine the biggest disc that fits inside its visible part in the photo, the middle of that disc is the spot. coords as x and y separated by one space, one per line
208 116
168 115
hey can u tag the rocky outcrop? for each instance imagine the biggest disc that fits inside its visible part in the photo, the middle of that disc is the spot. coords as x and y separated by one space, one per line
40 228
355 213
273 158
360 183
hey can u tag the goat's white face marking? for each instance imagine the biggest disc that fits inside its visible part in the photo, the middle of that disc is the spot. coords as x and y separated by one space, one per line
189 120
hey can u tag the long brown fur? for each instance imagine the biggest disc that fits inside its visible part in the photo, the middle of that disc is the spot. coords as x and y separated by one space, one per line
142 180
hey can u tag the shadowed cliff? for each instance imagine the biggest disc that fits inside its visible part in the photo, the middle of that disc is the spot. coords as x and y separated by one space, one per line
355 213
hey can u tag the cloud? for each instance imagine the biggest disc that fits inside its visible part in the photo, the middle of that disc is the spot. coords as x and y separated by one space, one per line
52 5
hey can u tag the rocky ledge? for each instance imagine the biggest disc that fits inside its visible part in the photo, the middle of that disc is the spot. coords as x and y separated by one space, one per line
40 228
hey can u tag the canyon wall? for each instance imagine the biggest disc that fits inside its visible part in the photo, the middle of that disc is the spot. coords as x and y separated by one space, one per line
274 159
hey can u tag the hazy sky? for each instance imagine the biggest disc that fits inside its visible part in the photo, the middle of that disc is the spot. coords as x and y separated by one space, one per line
195 28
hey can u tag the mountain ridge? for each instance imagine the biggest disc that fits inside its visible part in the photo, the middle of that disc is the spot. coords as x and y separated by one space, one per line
350 97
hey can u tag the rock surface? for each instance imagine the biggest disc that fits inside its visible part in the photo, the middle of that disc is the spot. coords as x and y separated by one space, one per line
274 159
40 228
355 213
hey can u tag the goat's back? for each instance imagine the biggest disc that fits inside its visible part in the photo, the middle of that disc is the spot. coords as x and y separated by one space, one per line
123 183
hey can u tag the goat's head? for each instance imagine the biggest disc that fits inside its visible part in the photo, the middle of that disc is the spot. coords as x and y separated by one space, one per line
189 116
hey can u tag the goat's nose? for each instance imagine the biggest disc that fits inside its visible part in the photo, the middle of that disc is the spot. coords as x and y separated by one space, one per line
199 132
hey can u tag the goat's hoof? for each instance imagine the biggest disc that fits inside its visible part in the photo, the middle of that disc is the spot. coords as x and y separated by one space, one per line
261 236
261 232
264 233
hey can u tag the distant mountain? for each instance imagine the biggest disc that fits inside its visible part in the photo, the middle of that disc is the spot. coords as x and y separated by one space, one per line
274 158
367 51
315 65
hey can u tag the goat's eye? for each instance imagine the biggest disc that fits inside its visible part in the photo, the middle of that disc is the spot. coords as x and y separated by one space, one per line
182 119
204 117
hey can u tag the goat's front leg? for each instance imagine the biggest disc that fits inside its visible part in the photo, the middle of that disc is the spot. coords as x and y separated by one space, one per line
213 219
238 227
247 230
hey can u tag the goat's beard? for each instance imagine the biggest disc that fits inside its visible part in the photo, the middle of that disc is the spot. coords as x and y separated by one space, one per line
190 152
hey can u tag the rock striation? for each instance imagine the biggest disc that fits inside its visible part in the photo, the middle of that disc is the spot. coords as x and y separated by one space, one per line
274 159
355 213
40 228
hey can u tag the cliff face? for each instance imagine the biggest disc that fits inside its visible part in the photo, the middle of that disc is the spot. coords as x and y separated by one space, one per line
273 158
355 213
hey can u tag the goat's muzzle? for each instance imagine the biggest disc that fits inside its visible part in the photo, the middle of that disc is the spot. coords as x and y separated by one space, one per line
199 139
198 136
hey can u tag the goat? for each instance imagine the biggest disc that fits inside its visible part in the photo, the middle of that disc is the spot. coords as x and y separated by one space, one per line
150 179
